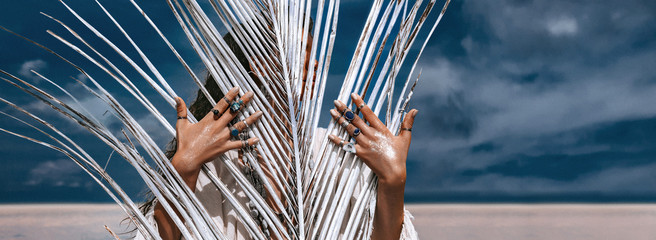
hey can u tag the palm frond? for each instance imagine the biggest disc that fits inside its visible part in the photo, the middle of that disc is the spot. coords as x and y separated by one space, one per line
317 180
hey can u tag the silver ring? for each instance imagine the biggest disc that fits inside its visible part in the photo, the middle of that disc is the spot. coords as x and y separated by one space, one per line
360 107
244 144
236 105
216 112
345 124
348 115
233 131
349 147
356 132
245 124
341 143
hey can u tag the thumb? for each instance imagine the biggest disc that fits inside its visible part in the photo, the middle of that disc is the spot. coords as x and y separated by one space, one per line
406 125
181 108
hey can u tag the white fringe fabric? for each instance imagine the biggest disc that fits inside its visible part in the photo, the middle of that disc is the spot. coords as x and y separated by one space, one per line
408 232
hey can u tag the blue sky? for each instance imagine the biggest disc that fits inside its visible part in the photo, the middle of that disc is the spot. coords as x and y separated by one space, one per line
519 100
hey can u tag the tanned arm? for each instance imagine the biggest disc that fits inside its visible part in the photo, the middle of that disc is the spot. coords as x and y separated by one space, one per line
198 144
386 155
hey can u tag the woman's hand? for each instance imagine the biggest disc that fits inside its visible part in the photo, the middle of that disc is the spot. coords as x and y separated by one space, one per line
386 155
202 142
381 150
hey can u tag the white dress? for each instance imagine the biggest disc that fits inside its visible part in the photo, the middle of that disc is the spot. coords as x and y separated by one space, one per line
226 216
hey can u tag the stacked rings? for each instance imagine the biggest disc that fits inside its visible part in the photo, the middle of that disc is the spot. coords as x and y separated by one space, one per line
348 117
236 105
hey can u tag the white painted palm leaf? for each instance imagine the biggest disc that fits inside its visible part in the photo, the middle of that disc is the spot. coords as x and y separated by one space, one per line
317 186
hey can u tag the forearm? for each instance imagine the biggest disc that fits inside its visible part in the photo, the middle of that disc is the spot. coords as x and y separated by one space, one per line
165 224
385 154
388 218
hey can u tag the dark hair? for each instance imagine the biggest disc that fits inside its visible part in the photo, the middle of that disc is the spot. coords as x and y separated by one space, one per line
201 106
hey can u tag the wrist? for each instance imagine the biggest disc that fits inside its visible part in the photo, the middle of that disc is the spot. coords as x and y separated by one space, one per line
186 169
393 180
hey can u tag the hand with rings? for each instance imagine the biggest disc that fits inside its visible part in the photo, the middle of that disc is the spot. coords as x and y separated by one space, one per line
202 142
375 145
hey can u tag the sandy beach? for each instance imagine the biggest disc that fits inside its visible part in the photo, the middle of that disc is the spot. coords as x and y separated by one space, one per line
535 221
433 221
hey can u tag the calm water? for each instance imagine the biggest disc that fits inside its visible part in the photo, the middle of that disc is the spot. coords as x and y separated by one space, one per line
434 221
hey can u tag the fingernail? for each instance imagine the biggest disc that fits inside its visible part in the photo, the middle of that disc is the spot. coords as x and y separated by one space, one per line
258 114
415 113
331 137
177 101
355 95
234 88
334 113
336 103
256 140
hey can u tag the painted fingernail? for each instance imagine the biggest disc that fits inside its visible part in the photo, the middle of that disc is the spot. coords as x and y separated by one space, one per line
334 113
415 113
255 141
336 103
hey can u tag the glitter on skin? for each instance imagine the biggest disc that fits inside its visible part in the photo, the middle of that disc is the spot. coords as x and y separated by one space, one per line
383 146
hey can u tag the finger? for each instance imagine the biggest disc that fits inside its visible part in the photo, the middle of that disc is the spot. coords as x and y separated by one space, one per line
406 125
181 109
240 126
350 128
240 144
336 140
340 143
223 103
357 121
228 115
368 115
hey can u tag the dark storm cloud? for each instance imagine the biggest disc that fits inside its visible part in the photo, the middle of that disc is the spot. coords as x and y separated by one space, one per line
517 97
61 172
450 118
560 92
33 173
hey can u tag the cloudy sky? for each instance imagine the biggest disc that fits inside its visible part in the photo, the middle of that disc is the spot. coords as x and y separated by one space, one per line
519 100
